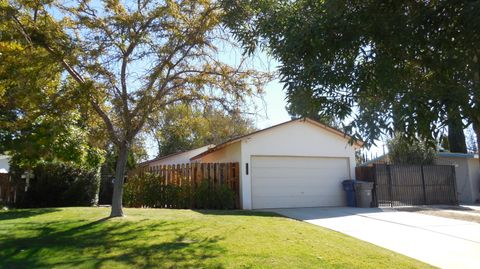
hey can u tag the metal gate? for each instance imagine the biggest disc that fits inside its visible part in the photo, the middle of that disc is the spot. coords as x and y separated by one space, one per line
403 185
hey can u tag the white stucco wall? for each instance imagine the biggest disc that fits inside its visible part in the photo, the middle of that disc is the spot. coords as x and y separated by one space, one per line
462 174
297 138
467 172
230 153
180 158
474 172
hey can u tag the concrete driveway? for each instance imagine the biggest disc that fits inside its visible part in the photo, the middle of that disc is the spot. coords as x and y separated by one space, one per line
442 242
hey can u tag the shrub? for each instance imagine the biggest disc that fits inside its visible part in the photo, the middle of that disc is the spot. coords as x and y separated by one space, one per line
147 190
218 197
59 184
106 189
142 190
410 151
225 197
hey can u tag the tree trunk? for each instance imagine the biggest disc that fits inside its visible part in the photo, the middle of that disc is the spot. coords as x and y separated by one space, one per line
117 210
476 129
456 136
398 122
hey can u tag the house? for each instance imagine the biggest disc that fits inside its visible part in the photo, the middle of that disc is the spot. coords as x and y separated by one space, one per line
175 158
5 194
299 163
467 171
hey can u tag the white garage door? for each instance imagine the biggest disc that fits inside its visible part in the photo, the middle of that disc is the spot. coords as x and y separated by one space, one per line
283 182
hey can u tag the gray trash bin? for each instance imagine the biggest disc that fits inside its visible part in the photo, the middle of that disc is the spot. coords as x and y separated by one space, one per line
363 193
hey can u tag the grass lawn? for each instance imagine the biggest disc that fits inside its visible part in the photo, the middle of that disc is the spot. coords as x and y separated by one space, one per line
164 238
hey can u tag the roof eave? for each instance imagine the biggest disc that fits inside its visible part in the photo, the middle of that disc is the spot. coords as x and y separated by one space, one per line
171 155
208 151
357 144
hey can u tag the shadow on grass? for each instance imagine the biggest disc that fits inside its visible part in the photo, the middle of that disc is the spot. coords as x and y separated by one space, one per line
237 213
24 213
109 243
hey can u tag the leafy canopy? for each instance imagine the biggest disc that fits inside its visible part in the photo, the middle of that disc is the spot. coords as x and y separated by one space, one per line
378 67
184 127
41 119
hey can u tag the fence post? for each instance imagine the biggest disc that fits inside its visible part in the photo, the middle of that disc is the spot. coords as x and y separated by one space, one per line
454 183
423 186
374 178
236 175
390 191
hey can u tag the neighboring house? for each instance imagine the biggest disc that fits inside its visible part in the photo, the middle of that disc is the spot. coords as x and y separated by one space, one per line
176 158
5 194
4 164
467 171
299 163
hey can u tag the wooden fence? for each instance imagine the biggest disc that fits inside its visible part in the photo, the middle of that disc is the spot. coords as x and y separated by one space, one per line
401 185
193 174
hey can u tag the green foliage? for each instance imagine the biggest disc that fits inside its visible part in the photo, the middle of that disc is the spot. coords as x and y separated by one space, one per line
143 190
41 117
185 126
304 104
51 139
220 197
403 150
147 190
59 184
404 66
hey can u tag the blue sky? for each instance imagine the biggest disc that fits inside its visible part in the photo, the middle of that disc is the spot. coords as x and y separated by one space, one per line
274 111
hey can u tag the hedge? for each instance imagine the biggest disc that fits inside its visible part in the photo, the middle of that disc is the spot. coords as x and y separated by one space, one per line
147 190
59 184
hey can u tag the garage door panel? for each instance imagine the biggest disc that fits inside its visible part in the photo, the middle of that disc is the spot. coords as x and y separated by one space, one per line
308 201
297 191
275 184
279 181
296 162
286 172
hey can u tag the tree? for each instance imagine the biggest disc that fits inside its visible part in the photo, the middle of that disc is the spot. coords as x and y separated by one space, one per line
302 103
132 59
391 66
403 150
40 120
456 136
184 126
